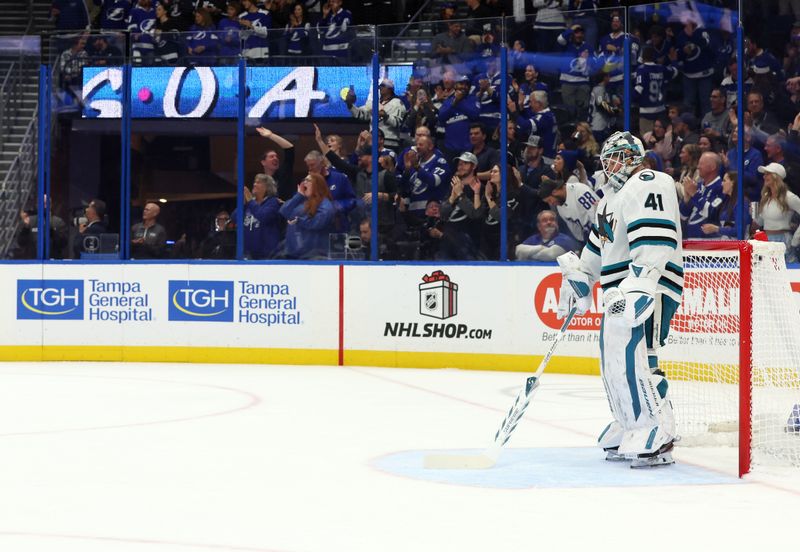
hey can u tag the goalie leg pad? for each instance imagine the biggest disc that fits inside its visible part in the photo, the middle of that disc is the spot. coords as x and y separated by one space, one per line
646 442
611 436
610 439
638 397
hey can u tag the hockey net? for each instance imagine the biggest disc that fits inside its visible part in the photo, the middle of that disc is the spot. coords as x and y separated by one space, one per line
733 357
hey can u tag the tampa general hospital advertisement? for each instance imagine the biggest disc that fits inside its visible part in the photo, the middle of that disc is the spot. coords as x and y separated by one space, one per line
493 317
193 312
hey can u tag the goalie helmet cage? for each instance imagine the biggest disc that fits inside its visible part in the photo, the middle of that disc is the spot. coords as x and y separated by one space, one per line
733 353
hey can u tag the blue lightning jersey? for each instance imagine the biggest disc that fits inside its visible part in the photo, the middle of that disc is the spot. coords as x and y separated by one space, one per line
229 30
703 207
114 14
431 180
336 33
262 21
141 24
648 90
456 117
699 61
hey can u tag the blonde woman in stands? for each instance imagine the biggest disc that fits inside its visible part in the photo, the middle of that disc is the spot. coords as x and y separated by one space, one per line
585 140
776 209
690 157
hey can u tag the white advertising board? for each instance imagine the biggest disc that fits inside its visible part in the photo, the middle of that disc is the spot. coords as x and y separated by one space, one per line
469 316
171 305
446 315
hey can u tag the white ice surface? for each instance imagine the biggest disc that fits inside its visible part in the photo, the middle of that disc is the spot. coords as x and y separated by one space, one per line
184 458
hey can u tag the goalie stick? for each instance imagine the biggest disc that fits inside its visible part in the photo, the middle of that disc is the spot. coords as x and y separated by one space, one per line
489 457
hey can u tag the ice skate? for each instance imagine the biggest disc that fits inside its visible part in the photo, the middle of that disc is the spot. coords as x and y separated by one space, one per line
663 457
613 455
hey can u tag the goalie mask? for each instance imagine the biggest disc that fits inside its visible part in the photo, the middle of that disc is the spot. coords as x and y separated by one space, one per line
622 154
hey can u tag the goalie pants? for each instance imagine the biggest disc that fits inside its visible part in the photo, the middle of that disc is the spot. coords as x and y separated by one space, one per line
637 392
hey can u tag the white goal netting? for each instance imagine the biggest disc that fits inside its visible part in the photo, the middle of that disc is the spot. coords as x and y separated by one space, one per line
702 356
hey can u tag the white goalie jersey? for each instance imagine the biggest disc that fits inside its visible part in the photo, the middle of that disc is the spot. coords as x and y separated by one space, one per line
641 224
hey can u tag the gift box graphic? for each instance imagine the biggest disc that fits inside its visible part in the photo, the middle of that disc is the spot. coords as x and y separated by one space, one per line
438 296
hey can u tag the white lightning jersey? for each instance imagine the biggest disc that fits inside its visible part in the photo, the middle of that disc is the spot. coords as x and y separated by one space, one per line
578 210
641 224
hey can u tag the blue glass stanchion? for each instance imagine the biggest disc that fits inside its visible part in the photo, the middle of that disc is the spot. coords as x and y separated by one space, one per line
42 162
240 131
740 200
626 71
373 242
503 154
125 180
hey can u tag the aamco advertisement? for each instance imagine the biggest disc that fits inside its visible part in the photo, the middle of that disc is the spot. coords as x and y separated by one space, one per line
707 321
710 304
171 305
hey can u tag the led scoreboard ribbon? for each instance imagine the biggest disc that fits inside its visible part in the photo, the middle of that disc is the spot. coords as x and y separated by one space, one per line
213 92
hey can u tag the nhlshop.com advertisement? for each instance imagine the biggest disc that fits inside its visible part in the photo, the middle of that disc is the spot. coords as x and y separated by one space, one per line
418 308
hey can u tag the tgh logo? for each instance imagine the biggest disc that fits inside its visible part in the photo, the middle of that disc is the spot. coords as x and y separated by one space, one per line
50 299
200 301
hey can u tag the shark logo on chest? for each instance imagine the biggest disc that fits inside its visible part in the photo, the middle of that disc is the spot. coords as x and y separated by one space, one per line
606 225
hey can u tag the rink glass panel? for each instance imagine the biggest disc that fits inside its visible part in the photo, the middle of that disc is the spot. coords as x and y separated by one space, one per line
184 97
85 145
415 226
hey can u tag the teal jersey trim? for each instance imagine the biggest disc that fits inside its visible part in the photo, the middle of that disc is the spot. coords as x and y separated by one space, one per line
669 242
658 223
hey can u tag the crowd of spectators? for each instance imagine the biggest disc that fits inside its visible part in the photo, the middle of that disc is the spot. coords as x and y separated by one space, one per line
439 151
215 31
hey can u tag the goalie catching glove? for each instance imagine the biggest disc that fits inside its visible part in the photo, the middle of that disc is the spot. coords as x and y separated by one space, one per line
576 289
634 300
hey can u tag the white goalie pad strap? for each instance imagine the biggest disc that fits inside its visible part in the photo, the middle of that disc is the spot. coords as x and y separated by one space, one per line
656 334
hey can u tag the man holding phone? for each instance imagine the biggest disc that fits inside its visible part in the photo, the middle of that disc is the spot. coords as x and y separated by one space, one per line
391 112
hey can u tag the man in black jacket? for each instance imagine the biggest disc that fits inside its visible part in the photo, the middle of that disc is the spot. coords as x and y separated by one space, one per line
90 228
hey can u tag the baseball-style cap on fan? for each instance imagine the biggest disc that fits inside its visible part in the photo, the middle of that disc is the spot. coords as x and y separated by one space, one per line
467 157
774 168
